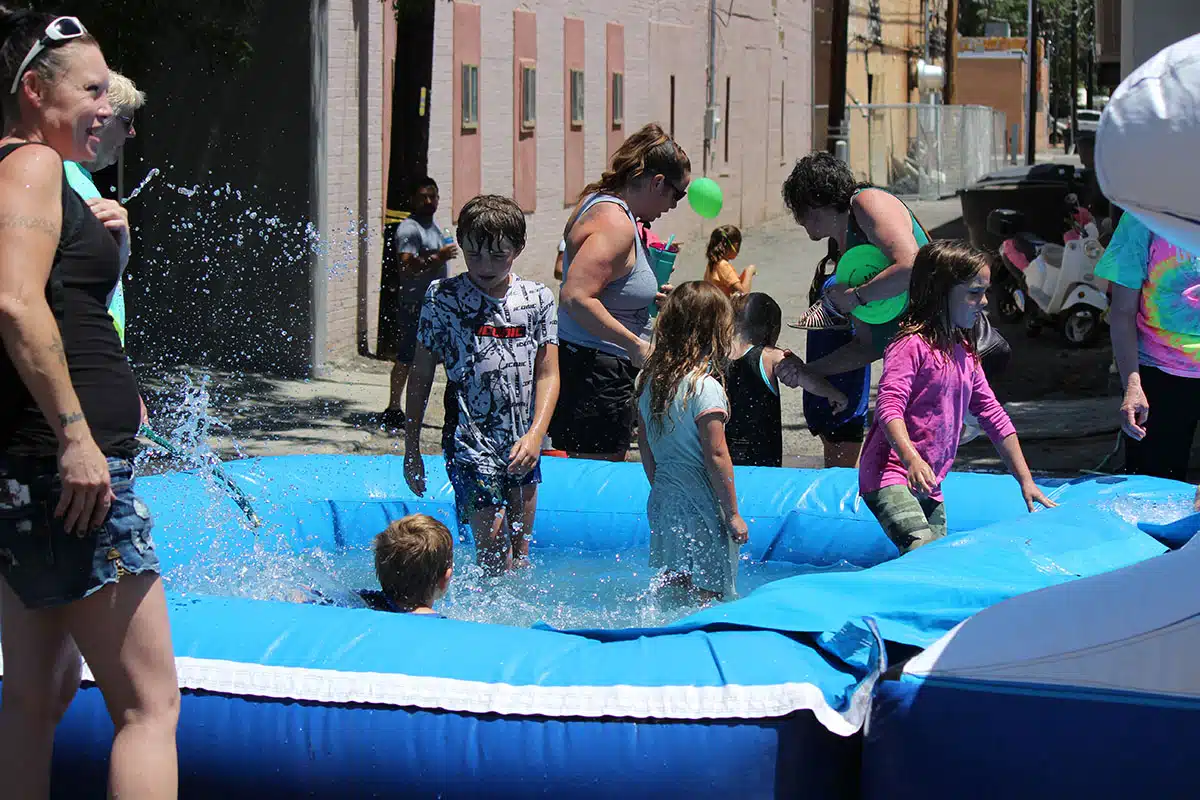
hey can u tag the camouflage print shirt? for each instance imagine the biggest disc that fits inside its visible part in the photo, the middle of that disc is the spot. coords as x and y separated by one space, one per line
489 347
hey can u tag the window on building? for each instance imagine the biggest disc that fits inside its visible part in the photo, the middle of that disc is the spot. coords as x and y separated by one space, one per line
470 96
577 98
618 99
727 85
528 96
672 131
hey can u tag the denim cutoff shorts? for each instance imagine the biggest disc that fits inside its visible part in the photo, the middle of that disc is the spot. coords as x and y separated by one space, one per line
44 565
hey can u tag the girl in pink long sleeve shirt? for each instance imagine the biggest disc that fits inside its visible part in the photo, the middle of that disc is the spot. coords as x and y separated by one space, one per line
931 379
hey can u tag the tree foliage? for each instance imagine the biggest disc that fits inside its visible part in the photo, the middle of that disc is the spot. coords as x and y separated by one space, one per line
1054 25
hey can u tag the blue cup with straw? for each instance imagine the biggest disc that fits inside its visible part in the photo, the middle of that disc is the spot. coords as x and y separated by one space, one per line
662 261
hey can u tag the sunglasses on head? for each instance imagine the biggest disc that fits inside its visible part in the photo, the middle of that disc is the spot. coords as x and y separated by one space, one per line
62 29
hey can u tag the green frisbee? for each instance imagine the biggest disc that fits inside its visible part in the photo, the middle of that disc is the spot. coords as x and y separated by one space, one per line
859 265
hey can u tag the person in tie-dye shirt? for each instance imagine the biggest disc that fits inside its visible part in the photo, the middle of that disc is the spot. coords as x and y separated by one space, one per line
1155 322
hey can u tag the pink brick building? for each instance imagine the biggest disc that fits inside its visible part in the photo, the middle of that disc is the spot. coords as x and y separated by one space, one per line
539 149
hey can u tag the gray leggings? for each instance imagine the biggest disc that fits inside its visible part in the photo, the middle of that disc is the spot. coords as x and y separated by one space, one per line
909 521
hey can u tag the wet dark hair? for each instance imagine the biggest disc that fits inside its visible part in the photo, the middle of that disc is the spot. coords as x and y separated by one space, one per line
757 318
819 180
937 269
490 220
421 182
20 30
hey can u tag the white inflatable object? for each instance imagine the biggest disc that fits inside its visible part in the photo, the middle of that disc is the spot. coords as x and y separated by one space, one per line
1133 630
1147 144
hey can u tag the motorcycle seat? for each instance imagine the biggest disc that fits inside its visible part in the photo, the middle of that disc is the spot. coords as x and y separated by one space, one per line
1028 245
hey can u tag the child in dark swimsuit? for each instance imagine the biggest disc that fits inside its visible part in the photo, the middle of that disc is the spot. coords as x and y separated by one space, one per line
754 431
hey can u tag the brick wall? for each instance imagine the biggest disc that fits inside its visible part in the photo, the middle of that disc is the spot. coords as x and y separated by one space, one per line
997 80
763 49
354 188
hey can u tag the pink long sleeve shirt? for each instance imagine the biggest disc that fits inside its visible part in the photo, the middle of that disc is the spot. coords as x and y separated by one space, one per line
932 394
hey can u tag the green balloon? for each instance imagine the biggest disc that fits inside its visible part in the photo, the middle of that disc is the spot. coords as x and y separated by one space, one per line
705 196
857 266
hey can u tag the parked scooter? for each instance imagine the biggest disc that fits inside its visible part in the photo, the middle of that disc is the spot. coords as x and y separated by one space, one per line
1056 284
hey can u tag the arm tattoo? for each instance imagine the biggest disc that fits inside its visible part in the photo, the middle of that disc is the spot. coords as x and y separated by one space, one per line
56 349
46 226
70 419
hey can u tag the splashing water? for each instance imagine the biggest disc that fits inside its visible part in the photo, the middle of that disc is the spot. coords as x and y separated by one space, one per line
138 189
563 588
1134 509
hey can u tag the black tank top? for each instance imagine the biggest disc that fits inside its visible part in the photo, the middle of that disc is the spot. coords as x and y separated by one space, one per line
85 271
754 432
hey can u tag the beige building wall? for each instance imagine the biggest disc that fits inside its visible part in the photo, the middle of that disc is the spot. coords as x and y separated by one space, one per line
993 72
763 52
763 59
881 70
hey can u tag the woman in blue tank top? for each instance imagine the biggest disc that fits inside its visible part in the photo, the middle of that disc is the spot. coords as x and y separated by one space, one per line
825 199
829 203
607 291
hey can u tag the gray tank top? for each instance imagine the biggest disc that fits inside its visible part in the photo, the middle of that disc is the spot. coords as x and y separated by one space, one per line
627 298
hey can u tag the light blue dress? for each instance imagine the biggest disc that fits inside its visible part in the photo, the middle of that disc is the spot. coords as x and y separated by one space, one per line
688 532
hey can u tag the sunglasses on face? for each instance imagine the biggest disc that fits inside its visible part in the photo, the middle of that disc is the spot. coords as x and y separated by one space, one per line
127 121
679 193
62 29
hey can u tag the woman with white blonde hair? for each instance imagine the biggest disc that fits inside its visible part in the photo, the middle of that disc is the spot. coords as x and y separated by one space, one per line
125 99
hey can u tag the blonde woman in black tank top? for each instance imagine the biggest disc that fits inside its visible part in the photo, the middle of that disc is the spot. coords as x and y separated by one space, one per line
79 570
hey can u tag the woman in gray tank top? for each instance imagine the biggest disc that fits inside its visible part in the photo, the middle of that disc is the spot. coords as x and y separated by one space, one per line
608 288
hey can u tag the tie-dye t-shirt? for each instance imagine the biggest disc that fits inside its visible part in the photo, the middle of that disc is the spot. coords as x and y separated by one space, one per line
1168 316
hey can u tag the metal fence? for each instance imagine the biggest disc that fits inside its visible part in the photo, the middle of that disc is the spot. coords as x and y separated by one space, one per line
925 151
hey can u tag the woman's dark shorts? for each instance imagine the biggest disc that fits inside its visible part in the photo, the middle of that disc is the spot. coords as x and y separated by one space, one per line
595 412
850 432
45 565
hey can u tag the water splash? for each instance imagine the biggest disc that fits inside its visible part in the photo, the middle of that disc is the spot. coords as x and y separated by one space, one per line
1134 509
155 172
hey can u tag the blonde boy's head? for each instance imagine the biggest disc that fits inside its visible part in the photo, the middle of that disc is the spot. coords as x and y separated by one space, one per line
414 560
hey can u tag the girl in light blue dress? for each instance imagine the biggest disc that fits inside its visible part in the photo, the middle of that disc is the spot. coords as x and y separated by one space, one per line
695 527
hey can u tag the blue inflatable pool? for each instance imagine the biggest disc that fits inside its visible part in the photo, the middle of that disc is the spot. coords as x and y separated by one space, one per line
761 697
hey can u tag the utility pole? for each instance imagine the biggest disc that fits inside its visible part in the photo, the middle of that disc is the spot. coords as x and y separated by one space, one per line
1032 99
1074 67
710 113
839 55
951 49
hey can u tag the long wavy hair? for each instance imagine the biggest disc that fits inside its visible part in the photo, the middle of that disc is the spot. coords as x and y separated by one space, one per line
648 152
937 269
692 338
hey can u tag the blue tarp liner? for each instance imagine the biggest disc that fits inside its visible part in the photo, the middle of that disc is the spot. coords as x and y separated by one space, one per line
784 673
